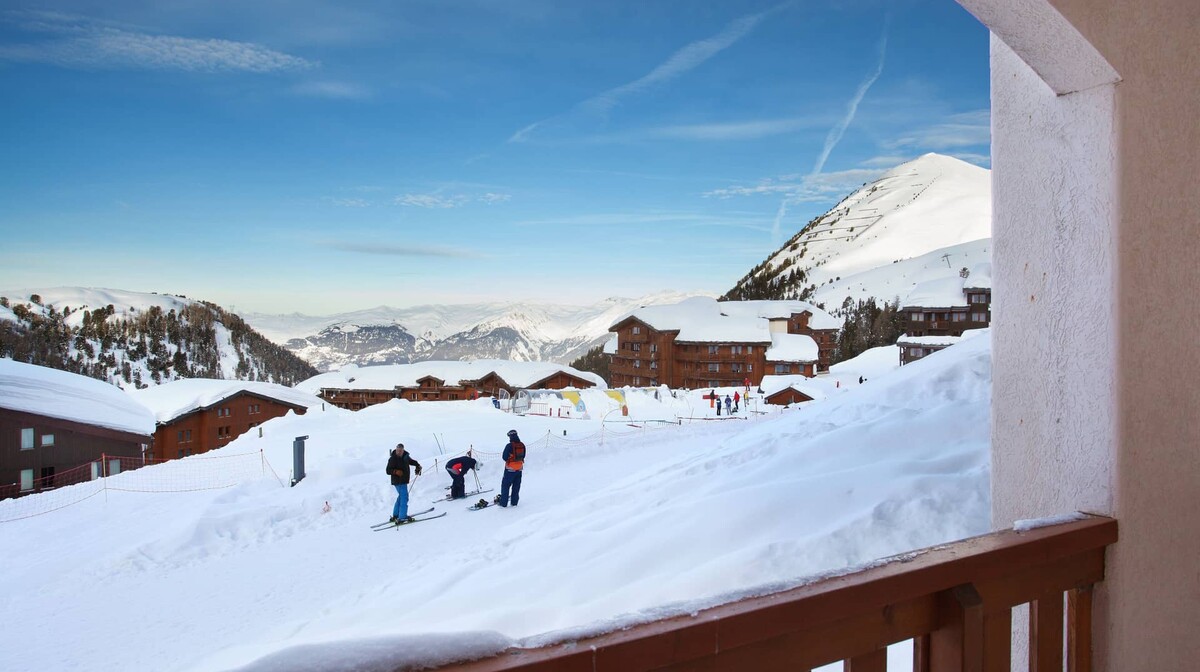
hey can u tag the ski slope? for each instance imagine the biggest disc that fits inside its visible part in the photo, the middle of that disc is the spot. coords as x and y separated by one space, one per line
612 529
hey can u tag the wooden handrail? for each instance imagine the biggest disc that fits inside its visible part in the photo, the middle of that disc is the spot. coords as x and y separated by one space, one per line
955 601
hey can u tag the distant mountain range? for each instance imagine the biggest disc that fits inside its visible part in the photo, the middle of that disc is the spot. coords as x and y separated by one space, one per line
921 220
516 331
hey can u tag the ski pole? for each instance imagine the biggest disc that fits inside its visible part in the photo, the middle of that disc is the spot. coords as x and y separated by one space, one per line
475 471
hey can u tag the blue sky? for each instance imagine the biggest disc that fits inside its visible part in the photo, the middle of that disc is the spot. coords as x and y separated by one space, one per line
321 156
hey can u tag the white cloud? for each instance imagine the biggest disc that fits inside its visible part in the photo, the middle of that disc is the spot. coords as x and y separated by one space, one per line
886 161
404 250
349 202
969 129
332 89
682 61
736 130
85 43
432 201
436 201
802 188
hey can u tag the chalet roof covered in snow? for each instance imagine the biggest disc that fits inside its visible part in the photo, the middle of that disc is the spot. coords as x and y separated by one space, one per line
941 340
941 293
516 374
815 388
68 396
792 348
704 320
174 399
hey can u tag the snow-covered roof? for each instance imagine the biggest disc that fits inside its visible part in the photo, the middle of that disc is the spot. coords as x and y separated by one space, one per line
928 340
516 374
180 397
980 278
68 396
941 340
792 348
705 320
940 293
813 387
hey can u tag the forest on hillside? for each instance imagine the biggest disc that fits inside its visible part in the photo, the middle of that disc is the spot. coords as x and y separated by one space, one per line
201 340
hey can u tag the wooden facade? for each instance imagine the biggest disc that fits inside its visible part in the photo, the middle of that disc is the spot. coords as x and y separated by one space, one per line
432 388
38 452
215 425
646 356
911 352
951 320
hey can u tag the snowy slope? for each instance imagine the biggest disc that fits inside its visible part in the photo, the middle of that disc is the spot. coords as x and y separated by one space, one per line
917 211
639 525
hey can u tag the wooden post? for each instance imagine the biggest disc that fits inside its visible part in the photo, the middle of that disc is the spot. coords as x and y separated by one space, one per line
1046 633
1079 630
921 654
970 639
875 661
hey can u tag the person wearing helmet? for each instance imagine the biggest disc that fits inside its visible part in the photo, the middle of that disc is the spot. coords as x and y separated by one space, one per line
514 462
399 467
458 468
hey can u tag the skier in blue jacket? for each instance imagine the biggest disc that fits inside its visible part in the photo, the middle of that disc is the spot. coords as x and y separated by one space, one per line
514 463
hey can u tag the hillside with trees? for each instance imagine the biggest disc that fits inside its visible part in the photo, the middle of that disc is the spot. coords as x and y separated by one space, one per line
141 346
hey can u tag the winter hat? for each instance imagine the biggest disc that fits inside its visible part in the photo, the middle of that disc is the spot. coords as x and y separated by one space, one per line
512 433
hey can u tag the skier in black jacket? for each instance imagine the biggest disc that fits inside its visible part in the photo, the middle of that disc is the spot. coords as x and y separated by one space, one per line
458 468
398 465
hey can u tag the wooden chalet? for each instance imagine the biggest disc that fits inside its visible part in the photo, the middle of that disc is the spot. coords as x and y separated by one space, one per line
704 343
950 306
195 416
441 381
59 428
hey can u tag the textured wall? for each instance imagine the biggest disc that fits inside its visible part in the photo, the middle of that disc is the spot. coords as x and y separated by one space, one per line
1097 237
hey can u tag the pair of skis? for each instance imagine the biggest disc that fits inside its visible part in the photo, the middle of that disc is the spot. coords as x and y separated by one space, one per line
448 498
417 517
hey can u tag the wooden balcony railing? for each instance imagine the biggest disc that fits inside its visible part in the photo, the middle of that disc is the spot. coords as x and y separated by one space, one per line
954 601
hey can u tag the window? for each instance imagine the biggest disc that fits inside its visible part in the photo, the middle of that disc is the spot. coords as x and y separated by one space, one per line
114 467
97 470
27 439
782 368
736 368
712 349
978 317
749 349
654 364
917 352
636 347
47 476
180 439
713 368
180 455
637 330
714 383
749 367
960 317
653 347
918 317
979 298
736 349
189 435
26 479
453 396
637 363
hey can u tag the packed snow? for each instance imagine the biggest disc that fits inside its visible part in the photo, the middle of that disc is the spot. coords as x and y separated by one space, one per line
792 348
618 523
68 396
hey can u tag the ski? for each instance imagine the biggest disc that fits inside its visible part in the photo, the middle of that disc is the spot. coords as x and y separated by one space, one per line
391 524
469 494
409 521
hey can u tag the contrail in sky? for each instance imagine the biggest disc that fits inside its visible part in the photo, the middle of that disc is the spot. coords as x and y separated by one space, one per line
839 129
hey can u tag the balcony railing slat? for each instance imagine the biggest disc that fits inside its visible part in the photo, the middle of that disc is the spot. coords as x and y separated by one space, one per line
1046 633
921 654
1079 630
876 661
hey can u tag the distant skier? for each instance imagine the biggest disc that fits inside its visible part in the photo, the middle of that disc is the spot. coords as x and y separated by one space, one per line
737 399
514 463
718 405
728 405
398 466
458 468
860 380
